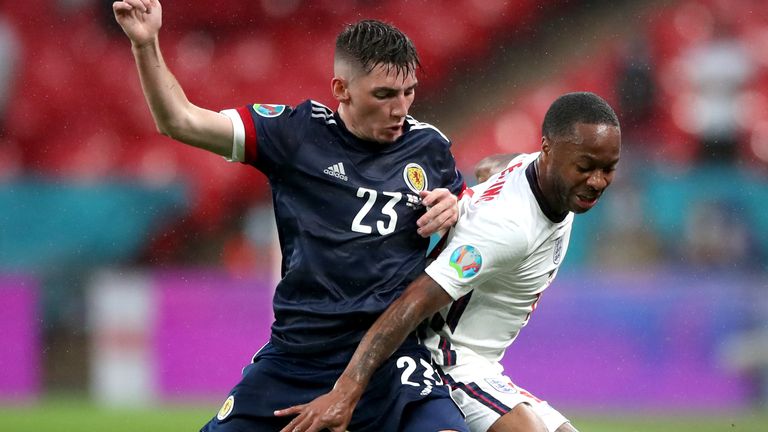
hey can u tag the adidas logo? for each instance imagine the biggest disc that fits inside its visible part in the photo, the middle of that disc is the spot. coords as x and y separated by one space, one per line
337 170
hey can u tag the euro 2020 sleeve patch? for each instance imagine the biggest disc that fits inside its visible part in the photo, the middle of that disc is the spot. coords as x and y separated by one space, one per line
268 110
467 261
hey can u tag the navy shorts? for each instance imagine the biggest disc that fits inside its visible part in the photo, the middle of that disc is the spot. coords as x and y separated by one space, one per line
404 395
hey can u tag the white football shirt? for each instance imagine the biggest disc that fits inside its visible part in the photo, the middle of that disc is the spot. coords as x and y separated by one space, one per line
504 251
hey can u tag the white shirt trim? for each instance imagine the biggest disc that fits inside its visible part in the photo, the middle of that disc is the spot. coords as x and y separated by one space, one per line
238 136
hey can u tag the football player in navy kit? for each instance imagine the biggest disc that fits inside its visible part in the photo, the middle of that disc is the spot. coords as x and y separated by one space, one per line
356 194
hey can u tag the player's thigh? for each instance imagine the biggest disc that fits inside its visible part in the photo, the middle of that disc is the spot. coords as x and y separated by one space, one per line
520 419
406 395
272 382
436 415
240 424
485 398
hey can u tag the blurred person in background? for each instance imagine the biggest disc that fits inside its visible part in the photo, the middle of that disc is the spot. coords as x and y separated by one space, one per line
478 294
350 189
718 70
718 236
491 165
637 93
10 53
10 50
627 241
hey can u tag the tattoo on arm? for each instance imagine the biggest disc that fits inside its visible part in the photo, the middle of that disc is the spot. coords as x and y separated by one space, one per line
389 331
421 299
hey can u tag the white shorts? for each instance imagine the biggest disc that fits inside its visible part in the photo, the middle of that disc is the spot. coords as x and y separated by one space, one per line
485 395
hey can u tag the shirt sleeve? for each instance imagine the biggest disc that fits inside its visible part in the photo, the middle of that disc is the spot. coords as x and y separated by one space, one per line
238 139
263 134
484 244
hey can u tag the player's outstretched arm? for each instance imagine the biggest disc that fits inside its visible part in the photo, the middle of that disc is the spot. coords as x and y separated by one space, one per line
333 410
173 113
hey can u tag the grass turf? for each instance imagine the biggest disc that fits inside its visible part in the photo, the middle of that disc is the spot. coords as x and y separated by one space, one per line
76 415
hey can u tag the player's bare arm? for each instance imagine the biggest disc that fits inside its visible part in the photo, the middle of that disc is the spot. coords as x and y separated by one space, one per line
333 411
442 213
174 115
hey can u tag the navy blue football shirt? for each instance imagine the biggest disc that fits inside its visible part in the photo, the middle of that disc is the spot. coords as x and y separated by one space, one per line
346 212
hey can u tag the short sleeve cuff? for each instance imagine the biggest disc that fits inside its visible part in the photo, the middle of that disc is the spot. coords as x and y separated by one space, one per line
238 136
435 272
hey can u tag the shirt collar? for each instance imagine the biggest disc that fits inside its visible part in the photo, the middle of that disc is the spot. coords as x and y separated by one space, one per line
531 173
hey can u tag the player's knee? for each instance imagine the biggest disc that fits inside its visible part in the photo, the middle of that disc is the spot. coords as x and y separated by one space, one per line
520 419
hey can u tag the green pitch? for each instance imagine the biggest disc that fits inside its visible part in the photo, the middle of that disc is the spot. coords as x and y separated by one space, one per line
69 415
742 422
80 416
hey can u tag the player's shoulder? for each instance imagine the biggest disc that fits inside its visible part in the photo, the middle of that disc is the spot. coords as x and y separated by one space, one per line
509 210
311 110
506 195
524 159
509 183
309 106
419 129
314 107
308 116
270 110
494 225
317 114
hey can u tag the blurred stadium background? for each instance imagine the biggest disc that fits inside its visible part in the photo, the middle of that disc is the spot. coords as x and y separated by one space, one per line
136 273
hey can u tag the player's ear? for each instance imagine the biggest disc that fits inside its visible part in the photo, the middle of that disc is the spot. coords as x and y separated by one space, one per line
546 151
339 89
546 145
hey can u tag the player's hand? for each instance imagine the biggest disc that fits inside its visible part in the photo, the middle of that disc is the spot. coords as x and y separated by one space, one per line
331 411
442 211
140 19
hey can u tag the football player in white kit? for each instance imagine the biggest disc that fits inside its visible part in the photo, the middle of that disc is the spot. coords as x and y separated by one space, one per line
510 240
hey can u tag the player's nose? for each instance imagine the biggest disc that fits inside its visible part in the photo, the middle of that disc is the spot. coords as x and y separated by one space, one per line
598 180
400 107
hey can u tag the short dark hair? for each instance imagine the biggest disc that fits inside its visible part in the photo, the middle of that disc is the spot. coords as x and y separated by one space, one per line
372 42
572 108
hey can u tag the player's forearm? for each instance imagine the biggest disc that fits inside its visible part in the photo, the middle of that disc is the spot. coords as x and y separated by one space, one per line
421 299
165 97
386 335
158 83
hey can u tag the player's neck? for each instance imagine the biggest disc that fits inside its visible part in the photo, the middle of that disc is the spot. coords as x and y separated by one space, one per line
547 191
348 123
358 131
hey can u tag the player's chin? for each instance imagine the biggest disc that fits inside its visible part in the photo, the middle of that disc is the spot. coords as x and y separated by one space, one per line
580 204
389 135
